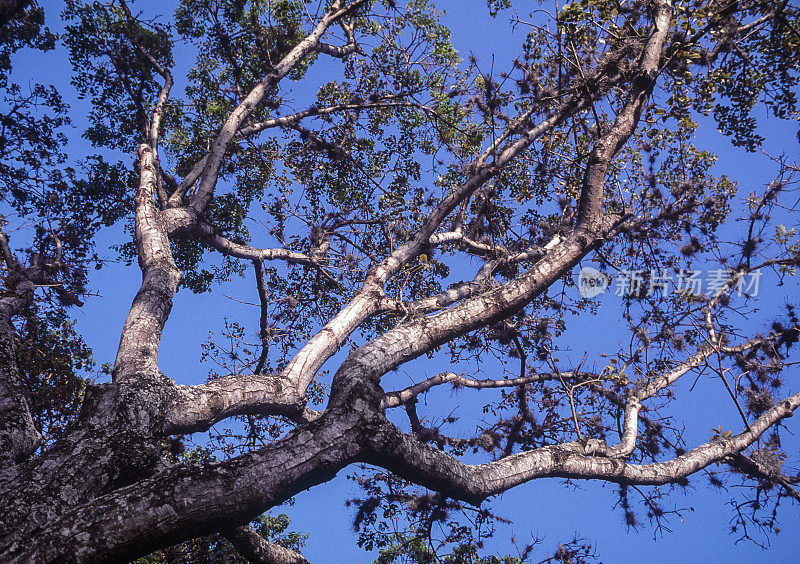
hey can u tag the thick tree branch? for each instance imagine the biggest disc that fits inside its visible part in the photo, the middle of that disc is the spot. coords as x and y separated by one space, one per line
256 549
196 408
463 290
360 309
416 337
141 334
416 461
437 302
591 199
186 501
18 434
324 344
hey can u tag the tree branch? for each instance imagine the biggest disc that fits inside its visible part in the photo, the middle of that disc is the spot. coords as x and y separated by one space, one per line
256 549
416 337
196 408
263 322
285 121
340 52
422 464
188 182
591 199
401 397
222 142
186 501
18 434
141 334
158 110
753 468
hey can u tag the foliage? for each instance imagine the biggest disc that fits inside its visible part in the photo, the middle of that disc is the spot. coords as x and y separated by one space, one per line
57 365
396 201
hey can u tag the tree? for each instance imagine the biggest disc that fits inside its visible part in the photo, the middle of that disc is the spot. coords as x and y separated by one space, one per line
416 205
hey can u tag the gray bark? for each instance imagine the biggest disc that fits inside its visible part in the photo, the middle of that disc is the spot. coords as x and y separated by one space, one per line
18 435
103 492
253 547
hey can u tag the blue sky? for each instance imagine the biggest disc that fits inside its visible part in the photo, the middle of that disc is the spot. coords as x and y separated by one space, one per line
542 509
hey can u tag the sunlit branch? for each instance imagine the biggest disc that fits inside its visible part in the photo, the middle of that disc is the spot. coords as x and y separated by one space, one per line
661 382
228 131
458 292
230 248
414 460
436 302
196 408
396 399
288 120
340 52
590 204
731 281
141 335
476 247
188 183
417 336
515 126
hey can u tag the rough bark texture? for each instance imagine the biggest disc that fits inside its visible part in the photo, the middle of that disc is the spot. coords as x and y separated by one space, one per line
104 492
253 547
18 435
